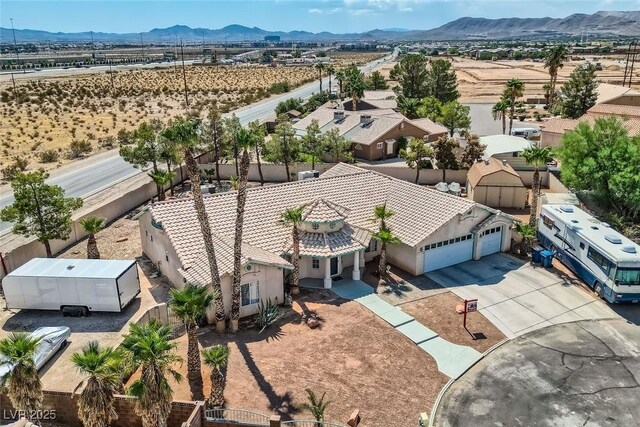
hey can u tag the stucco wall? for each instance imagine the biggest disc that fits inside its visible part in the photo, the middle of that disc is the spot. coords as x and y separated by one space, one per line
549 139
157 247
405 257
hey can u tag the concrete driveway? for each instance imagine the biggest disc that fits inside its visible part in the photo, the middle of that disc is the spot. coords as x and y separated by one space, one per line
518 297
577 374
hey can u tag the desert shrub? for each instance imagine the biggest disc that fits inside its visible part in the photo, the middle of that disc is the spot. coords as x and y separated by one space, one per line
78 148
48 156
107 142
280 87
124 137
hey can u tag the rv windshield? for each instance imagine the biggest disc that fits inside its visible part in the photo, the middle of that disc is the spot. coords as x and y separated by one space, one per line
628 276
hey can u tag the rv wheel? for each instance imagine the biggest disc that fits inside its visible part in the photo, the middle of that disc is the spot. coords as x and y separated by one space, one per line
599 290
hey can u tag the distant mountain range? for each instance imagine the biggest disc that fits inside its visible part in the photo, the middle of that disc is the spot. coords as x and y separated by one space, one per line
600 23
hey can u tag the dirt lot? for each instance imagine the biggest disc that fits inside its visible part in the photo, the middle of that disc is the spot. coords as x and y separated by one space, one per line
484 80
357 358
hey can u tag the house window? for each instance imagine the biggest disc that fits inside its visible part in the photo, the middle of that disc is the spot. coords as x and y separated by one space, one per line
250 294
315 263
373 246
315 226
332 224
379 145
548 222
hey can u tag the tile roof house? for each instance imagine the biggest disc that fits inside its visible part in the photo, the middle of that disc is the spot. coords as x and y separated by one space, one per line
436 230
374 134
612 101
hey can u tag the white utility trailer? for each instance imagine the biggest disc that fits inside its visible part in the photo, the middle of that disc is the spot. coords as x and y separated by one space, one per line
56 284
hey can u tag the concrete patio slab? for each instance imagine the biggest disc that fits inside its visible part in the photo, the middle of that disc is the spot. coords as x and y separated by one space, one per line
541 304
516 315
416 332
351 289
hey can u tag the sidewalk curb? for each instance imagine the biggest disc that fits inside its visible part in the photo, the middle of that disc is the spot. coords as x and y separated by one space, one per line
436 404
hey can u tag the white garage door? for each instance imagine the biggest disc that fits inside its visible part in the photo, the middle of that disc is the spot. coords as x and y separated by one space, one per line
446 253
491 241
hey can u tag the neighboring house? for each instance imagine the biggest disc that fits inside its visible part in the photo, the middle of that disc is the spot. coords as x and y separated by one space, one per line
374 134
437 230
496 184
613 101
508 148
372 100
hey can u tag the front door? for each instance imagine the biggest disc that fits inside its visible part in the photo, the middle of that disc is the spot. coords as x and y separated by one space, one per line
334 266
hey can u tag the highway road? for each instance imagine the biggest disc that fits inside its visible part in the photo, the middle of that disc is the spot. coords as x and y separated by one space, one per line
97 175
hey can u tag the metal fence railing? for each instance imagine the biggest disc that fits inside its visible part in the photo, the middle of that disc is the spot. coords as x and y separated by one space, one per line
310 423
237 416
177 325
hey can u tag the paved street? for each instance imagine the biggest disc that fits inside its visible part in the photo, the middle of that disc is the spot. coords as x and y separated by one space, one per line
585 373
82 182
518 297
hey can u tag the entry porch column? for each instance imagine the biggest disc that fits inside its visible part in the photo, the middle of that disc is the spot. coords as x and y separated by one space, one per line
356 265
327 273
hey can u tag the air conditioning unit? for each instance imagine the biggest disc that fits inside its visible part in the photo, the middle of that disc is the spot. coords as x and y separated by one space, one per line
308 175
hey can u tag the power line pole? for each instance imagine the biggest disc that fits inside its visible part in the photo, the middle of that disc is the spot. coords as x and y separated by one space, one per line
15 46
184 76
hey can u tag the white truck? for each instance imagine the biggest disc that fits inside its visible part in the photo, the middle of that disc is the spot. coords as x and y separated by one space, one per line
61 284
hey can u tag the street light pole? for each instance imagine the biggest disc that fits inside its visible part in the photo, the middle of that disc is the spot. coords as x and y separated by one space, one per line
184 76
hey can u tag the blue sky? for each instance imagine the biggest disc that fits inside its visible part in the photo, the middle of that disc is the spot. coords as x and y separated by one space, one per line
319 15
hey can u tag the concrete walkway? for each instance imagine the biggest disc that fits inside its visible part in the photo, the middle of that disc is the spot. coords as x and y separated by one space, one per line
452 359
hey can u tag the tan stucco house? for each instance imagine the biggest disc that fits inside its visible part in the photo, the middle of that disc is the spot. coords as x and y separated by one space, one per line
436 230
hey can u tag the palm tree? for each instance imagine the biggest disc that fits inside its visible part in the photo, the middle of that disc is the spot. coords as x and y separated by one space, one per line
499 112
320 67
537 157
234 182
381 214
355 85
330 70
21 380
190 304
385 237
514 89
316 406
150 351
101 366
91 226
340 77
409 107
554 62
216 357
293 219
161 179
259 132
246 140
528 233
184 133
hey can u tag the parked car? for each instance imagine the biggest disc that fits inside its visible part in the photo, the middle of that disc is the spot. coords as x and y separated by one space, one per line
527 133
52 339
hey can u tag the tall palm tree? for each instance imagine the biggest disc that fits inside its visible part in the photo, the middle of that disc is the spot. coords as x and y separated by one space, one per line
184 133
190 304
385 237
293 219
259 132
528 234
554 61
499 112
161 179
330 71
355 85
380 215
316 405
216 357
320 67
340 77
537 157
151 351
246 139
91 226
514 89
21 380
101 366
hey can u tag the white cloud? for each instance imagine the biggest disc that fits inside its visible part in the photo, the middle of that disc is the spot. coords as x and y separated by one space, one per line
360 12
405 9
331 11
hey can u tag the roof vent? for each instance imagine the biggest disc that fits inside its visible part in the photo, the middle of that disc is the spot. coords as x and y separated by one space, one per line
567 209
575 221
486 161
70 267
504 162
604 224
593 227
338 115
365 119
630 249
612 238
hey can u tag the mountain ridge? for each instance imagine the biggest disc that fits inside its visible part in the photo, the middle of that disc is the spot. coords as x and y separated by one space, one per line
621 23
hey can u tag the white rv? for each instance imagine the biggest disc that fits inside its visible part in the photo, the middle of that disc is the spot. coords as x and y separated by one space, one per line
56 284
605 259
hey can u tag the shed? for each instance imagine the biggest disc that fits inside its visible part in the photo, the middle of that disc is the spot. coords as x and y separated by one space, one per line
496 184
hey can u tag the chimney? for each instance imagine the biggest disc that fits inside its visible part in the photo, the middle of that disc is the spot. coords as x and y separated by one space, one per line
338 115
365 119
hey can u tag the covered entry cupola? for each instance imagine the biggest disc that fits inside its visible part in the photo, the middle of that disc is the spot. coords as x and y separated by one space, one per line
326 238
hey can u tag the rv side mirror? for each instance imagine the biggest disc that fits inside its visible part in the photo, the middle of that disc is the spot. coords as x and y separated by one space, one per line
616 282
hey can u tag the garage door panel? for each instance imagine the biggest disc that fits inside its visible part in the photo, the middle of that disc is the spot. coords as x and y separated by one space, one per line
445 256
491 243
